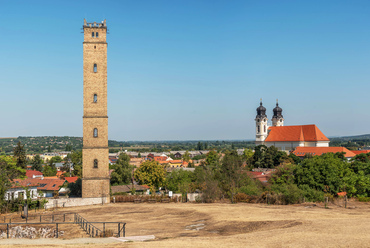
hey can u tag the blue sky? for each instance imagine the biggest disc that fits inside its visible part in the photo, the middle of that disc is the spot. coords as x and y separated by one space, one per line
187 70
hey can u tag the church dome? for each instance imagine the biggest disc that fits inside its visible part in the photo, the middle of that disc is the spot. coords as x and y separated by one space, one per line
261 111
277 111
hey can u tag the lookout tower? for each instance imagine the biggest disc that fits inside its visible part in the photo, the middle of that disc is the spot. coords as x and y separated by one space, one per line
95 163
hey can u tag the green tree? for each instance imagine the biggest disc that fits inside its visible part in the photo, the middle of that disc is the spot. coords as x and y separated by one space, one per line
56 159
20 155
327 173
199 146
76 159
177 178
151 173
50 170
123 171
9 170
68 147
36 163
186 156
212 159
75 188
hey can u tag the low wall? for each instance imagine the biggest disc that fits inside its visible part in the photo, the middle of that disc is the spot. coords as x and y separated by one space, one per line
75 202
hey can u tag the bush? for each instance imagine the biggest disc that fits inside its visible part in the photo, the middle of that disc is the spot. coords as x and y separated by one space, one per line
251 189
289 193
241 197
363 199
311 195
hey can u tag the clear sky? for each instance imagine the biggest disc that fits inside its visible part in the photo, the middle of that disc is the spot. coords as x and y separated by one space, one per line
187 70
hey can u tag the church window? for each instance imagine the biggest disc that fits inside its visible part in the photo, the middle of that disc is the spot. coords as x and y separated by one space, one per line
95 68
258 129
95 132
95 163
95 98
97 35
264 128
92 34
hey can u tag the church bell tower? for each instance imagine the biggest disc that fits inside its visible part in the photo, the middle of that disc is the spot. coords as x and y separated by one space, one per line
261 124
277 119
95 163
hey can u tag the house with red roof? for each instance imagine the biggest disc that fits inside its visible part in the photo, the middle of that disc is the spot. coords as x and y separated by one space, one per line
286 138
38 187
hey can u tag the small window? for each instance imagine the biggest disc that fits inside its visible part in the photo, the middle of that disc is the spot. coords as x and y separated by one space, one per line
95 132
258 129
95 163
97 34
94 47
264 128
95 68
95 98
92 34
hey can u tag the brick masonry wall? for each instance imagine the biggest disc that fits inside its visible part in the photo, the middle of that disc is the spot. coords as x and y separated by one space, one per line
95 181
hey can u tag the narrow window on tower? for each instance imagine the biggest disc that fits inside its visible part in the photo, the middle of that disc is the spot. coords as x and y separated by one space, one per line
95 68
258 128
95 163
97 34
92 34
95 98
95 132
264 128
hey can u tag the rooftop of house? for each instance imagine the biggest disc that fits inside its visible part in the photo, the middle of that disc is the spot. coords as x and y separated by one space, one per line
360 151
127 188
31 173
42 184
295 133
71 179
317 151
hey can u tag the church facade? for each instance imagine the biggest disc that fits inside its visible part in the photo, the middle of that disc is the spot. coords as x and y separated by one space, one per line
286 138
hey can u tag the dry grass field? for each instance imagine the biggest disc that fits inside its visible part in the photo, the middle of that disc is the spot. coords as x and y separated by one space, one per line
235 225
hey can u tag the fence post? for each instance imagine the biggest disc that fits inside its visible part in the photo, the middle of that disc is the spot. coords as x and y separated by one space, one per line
57 229
64 220
345 201
119 230
93 232
7 231
124 229
104 229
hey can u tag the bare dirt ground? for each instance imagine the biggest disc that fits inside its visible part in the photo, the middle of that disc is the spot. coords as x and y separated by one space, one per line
232 225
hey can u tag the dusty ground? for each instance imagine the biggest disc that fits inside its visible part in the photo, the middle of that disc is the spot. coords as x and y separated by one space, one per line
237 225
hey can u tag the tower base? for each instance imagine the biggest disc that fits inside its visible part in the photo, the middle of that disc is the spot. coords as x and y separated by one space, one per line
96 187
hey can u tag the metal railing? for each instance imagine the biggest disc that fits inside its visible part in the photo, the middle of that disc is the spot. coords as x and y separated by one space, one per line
87 226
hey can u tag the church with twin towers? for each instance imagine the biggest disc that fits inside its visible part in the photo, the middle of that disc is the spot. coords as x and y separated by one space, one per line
286 138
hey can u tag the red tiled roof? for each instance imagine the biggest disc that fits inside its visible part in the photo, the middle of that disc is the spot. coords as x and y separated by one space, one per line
50 184
43 184
295 133
302 151
175 161
30 173
71 179
28 182
360 151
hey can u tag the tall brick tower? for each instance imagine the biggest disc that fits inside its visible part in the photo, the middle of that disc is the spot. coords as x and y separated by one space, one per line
95 164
